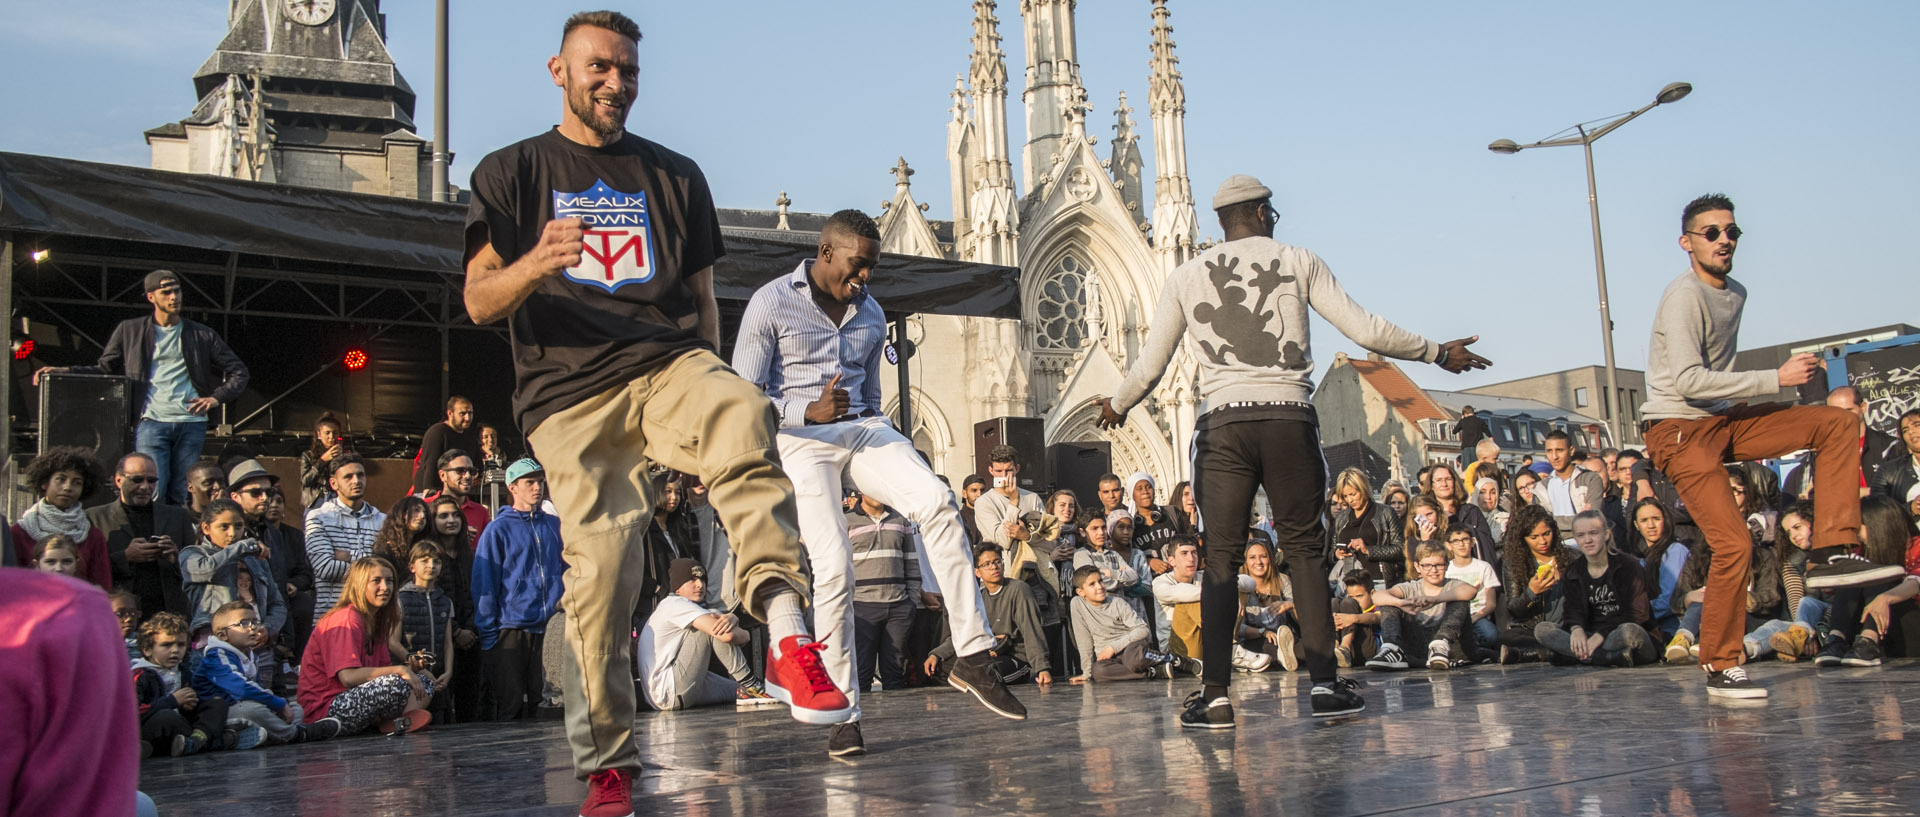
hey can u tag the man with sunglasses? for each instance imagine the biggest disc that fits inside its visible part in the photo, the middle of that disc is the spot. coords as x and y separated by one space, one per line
251 486
182 370
460 478
1693 425
1244 305
144 537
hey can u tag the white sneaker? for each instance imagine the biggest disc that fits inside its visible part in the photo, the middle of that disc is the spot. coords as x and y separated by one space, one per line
1439 654
1246 660
1283 647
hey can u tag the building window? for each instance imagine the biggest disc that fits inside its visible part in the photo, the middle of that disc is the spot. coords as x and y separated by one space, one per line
1580 398
1061 310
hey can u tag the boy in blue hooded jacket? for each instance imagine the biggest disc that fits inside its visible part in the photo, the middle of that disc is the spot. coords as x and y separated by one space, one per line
516 588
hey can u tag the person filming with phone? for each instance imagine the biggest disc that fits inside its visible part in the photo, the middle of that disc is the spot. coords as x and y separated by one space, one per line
144 537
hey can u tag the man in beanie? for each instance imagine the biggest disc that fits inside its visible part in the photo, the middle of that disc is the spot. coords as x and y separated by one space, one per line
1244 304
682 637
181 371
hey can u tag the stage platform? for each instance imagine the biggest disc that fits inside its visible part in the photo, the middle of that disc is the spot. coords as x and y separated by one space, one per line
1483 741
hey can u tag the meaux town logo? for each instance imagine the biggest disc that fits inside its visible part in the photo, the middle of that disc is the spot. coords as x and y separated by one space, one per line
619 235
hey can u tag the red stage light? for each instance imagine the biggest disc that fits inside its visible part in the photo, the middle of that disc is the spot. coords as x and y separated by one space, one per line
355 360
22 348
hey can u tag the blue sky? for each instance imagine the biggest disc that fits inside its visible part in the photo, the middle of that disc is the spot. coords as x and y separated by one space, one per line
1370 120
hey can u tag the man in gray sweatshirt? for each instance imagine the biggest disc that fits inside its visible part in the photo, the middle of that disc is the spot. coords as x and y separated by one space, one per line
1692 426
1242 307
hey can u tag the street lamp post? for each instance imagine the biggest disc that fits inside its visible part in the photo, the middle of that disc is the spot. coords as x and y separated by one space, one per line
1585 137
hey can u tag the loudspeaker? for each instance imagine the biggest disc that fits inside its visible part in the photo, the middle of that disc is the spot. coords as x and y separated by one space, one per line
1027 435
1079 466
92 411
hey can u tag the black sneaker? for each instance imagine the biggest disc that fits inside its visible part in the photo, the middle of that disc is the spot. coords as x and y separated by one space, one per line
1190 666
178 747
1833 653
1733 683
1201 713
1342 697
844 740
973 674
323 729
1832 567
1865 653
1389 658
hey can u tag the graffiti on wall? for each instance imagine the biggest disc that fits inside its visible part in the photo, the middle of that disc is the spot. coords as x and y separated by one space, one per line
1889 381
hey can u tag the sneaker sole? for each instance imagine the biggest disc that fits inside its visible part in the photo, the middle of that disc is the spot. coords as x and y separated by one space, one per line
1859 662
1677 655
1384 667
1319 714
1752 692
1879 573
1206 725
1827 662
815 717
1441 664
955 682
850 751
757 703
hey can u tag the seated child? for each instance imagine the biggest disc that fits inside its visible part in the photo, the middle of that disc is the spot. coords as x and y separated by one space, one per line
1112 638
57 554
210 569
1431 608
1356 619
1605 617
126 608
1485 580
1020 643
681 637
426 623
227 673
173 719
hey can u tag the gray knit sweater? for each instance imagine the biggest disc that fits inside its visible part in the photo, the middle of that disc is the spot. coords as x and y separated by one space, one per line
1690 360
1243 306
1113 624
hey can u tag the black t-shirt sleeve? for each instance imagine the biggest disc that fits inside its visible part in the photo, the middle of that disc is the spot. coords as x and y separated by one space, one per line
493 213
704 243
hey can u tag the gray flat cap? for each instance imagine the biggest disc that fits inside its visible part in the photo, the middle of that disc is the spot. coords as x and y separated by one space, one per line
1239 188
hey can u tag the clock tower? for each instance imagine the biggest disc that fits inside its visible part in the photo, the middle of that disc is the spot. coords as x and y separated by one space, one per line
302 92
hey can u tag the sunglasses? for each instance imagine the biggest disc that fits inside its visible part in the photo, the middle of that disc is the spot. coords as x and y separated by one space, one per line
1712 234
462 470
140 480
252 492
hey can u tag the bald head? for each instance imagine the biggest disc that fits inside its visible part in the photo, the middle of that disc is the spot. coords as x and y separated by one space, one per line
1846 398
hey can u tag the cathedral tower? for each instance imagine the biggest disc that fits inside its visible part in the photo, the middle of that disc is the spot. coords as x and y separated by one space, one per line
1174 221
1053 92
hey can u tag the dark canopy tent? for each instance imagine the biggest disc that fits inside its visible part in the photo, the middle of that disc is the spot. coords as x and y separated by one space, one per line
292 276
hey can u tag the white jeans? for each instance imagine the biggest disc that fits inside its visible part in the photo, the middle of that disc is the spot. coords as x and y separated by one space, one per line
869 453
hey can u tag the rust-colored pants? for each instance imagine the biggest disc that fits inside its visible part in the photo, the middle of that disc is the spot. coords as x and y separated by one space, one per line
1693 454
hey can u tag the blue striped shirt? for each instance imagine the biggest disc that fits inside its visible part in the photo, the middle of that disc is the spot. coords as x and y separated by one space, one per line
790 348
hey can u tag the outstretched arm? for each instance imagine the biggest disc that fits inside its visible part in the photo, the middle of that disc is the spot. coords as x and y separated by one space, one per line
1163 338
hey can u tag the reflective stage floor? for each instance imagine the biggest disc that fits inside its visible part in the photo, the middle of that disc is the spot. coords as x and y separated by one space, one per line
1488 740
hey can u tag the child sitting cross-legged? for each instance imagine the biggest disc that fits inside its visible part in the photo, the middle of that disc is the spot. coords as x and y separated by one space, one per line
227 673
1431 608
426 623
1113 640
682 637
173 719
1019 642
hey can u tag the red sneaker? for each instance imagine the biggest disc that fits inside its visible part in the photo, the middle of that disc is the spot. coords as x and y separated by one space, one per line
609 794
800 680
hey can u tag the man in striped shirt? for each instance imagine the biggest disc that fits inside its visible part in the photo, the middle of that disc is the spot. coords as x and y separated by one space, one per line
812 340
341 530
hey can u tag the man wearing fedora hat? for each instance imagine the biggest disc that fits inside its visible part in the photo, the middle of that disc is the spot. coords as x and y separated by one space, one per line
1244 305
182 369
250 485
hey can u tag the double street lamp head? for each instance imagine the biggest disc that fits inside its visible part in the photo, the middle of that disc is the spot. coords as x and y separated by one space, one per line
1674 92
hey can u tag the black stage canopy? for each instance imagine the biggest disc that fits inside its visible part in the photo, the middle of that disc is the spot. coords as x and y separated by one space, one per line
63 197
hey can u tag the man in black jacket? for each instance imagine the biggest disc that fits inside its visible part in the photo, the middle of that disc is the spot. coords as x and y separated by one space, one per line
250 485
182 371
144 537
1899 471
1471 429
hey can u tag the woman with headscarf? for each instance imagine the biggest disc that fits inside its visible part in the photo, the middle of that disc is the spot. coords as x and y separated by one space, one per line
1152 524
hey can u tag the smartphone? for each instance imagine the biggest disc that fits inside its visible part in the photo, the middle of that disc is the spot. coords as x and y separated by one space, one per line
1423 519
999 482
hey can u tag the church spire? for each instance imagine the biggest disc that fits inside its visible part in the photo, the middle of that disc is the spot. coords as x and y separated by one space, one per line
1174 219
1124 161
1053 95
992 221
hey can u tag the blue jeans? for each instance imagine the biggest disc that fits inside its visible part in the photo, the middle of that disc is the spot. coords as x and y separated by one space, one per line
1810 613
1485 635
175 448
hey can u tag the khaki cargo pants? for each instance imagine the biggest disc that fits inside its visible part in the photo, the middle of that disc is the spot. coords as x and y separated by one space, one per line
691 414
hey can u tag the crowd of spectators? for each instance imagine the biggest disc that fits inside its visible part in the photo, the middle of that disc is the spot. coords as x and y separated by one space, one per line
247 624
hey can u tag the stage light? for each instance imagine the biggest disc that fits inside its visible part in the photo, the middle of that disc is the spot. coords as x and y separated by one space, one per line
22 348
355 359
39 255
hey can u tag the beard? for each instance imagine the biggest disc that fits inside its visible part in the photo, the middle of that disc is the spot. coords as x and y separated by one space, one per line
605 125
1717 266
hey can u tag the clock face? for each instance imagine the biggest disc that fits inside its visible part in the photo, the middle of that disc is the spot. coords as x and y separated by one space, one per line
310 12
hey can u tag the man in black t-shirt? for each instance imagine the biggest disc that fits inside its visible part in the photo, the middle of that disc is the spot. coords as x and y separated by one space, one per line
457 431
598 246
1472 428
